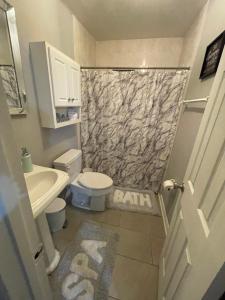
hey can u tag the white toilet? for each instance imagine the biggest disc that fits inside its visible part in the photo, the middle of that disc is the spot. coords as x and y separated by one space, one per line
90 189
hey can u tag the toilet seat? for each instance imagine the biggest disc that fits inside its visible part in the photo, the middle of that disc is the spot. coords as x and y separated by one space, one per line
95 180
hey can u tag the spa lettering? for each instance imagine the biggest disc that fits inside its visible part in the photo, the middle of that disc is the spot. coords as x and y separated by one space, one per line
72 286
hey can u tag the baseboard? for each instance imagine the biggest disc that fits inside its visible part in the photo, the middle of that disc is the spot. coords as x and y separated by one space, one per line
163 212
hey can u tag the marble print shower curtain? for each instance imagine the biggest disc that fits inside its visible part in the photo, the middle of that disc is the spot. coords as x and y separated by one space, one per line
129 121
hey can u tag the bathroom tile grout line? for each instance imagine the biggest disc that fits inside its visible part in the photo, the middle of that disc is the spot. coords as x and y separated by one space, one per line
128 257
125 227
151 251
132 258
128 229
138 260
135 231
119 226
116 220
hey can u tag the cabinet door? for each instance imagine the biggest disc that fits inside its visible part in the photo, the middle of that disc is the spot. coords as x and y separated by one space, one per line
60 77
74 84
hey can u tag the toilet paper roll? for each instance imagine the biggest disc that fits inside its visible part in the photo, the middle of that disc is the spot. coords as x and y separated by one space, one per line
168 185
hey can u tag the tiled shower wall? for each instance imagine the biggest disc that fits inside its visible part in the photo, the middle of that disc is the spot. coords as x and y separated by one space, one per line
129 121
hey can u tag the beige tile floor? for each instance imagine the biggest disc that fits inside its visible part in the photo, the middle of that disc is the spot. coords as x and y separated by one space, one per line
135 274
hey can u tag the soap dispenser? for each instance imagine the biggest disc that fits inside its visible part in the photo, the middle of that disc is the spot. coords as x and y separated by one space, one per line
26 161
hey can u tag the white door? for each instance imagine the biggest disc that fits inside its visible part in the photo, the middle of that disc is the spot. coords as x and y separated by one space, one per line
22 268
60 77
194 249
74 84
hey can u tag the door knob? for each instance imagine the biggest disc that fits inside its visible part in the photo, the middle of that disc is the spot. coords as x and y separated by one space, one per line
178 185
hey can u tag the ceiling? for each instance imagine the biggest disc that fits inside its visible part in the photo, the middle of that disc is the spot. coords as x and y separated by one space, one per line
130 19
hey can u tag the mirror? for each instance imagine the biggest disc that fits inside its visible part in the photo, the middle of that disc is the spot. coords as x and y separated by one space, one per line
10 61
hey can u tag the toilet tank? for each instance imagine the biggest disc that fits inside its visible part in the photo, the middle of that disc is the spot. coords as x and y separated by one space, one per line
70 162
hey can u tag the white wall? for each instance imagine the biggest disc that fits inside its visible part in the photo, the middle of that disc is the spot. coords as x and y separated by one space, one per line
190 118
213 23
163 52
192 39
84 45
51 21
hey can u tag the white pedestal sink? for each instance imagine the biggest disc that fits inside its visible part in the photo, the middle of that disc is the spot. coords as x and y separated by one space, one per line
44 185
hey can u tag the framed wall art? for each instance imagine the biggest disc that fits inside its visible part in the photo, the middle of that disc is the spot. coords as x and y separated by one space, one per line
212 56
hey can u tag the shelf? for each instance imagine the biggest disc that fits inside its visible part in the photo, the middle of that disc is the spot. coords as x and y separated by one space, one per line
75 104
67 123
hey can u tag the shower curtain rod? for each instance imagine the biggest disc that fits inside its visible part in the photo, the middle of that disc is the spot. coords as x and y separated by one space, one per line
135 68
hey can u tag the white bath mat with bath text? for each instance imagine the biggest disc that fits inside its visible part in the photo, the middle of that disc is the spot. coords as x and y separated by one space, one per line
134 200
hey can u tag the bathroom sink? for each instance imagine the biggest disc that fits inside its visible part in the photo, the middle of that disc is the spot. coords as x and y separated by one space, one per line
44 185
39 184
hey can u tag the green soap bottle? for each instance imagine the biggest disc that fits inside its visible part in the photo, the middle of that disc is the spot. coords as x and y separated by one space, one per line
26 161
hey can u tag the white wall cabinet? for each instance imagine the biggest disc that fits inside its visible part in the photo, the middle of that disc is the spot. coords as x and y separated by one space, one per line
57 80
74 83
65 75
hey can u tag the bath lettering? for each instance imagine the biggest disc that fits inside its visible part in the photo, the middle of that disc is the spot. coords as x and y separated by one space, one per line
132 198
